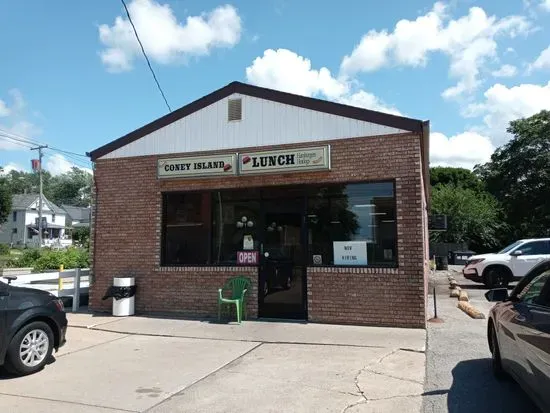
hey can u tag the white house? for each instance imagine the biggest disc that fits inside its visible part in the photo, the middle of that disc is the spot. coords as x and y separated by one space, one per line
22 225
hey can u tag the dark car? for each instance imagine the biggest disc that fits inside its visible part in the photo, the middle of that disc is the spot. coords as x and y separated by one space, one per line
519 333
32 324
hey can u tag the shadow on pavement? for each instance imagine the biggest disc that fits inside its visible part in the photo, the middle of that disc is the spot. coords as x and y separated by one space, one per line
475 390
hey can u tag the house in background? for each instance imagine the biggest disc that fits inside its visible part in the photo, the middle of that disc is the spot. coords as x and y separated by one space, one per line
22 225
77 217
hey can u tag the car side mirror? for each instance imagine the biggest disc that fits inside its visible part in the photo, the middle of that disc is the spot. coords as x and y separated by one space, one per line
10 278
497 295
516 253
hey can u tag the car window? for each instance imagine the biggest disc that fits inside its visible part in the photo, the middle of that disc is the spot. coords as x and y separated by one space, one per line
531 293
509 247
535 248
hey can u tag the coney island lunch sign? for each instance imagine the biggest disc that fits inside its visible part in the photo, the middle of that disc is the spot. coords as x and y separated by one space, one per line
249 163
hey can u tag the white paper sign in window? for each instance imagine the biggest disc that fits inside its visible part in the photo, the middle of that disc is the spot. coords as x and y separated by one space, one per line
350 253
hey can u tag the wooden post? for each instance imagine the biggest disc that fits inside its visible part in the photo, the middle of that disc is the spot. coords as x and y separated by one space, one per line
60 280
76 289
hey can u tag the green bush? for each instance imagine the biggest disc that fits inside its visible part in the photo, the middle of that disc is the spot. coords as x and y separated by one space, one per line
48 259
27 259
4 249
69 258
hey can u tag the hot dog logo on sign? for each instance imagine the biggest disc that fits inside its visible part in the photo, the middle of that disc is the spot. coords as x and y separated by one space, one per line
214 165
291 160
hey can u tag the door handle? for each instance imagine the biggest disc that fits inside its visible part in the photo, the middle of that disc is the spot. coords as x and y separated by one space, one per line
520 318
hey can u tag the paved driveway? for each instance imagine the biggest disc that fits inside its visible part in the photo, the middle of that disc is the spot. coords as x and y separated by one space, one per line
458 374
160 365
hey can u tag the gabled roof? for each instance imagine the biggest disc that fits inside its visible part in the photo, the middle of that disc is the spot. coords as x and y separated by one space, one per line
81 214
24 201
319 105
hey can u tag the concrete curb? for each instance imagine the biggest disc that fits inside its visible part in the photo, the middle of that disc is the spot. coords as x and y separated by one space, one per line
470 310
463 296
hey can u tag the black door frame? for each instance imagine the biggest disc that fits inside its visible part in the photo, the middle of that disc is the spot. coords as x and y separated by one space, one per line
302 211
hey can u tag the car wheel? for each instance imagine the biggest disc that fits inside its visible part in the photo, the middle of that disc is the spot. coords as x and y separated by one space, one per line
30 349
498 370
496 277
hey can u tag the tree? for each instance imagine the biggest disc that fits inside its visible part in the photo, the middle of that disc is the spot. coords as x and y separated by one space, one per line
5 200
518 175
21 182
71 188
473 218
458 177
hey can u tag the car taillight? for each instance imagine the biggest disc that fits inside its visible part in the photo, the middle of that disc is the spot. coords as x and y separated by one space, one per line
59 304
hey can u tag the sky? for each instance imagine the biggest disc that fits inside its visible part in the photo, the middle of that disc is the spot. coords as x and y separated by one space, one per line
72 75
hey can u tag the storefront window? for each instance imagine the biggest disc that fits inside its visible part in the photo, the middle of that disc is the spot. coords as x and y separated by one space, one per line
353 218
235 226
351 224
187 228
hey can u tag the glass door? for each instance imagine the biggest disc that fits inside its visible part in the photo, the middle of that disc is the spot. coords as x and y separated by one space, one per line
282 283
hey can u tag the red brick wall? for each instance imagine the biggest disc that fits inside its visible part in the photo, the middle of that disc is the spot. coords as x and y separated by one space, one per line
127 218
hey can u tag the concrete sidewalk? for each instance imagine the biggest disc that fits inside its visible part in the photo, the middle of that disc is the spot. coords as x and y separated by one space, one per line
257 331
143 364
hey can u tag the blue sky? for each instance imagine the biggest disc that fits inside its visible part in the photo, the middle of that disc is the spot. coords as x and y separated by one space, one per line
73 77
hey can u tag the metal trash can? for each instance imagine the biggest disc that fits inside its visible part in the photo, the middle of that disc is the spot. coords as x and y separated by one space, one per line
461 257
123 292
441 262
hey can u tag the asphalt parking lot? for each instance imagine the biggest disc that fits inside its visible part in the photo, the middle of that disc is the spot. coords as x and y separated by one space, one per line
458 368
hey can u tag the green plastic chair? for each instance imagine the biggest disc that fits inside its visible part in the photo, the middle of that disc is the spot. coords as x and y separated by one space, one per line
238 287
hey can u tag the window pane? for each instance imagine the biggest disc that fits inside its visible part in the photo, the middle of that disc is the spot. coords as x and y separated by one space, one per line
235 226
534 248
533 290
355 212
186 228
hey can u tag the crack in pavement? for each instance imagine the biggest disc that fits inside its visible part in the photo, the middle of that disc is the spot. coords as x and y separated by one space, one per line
393 377
356 381
369 369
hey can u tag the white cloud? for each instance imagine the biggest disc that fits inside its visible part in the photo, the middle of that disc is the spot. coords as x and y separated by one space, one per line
164 38
502 105
368 101
285 70
464 150
4 110
469 42
12 166
14 120
545 5
505 71
57 164
542 61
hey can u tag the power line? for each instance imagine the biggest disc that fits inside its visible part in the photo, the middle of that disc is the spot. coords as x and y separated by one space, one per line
68 152
16 141
145 55
28 142
73 161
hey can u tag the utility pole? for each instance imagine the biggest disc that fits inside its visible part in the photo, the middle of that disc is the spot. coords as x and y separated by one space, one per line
39 148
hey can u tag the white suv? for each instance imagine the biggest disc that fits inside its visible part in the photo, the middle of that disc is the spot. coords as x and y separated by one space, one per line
512 263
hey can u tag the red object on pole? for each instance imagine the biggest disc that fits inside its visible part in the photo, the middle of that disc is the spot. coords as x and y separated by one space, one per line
35 164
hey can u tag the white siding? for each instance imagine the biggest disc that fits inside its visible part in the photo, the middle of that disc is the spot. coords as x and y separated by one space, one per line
31 216
264 123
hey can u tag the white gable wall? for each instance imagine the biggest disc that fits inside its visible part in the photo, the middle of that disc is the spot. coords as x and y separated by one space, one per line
264 123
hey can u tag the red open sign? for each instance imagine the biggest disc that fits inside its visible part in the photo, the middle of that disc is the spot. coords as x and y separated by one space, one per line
247 257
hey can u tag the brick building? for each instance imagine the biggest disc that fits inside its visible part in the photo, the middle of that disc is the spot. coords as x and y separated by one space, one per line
322 205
